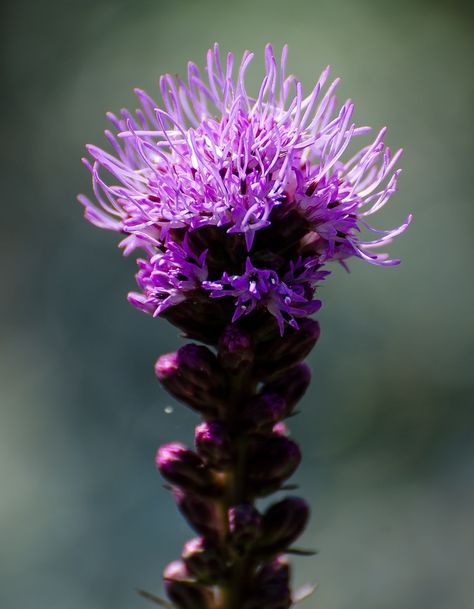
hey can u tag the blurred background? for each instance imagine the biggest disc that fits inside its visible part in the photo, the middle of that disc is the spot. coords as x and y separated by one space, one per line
387 429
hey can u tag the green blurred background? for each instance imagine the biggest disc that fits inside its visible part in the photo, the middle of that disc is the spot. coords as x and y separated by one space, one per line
388 427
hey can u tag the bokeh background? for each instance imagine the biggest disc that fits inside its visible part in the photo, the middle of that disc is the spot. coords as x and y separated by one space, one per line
388 426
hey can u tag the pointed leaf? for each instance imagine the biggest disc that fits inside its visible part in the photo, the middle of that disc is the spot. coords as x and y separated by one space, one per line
155 599
290 487
301 552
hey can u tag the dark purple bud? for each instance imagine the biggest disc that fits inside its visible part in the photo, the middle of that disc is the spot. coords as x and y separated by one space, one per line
200 366
203 559
199 318
282 523
280 429
244 525
287 351
193 376
166 368
235 348
271 461
275 573
177 571
269 599
183 468
264 410
271 587
213 444
202 513
183 590
291 385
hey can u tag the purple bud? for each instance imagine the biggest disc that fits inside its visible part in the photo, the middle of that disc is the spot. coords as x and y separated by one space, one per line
177 571
280 429
235 348
269 599
203 559
282 523
271 587
271 461
244 525
291 385
199 319
183 468
184 592
213 444
202 513
166 367
276 572
264 410
285 352
200 365
193 376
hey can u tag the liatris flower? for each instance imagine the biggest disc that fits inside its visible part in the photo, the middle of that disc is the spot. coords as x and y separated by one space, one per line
238 204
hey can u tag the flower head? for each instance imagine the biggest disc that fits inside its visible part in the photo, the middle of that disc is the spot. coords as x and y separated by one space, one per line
240 197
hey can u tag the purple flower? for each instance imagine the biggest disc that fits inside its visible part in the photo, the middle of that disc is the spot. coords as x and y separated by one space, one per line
238 204
166 276
257 287
243 197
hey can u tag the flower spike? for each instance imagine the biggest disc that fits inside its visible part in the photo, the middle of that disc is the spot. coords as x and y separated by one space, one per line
238 205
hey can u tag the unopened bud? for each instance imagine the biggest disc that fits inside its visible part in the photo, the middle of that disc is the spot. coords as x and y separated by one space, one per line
271 461
177 571
285 352
202 513
235 348
203 559
280 429
200 365
199 319
275 573
264 410
193 376
244 525
271 587
282 523
291 385
183 468
183 590
213 444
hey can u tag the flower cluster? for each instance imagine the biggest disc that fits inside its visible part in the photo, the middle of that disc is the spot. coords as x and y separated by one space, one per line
242 452
238 204
239 197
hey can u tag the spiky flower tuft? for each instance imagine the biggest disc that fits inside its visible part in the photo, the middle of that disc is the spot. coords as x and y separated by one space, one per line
239 197
238 205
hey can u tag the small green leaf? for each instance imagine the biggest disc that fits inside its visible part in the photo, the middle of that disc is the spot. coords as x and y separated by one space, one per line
155 599
301 552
